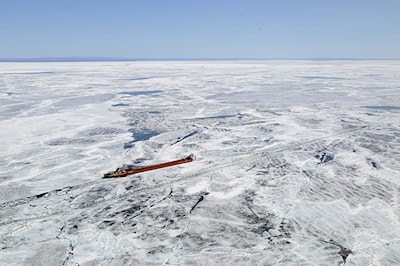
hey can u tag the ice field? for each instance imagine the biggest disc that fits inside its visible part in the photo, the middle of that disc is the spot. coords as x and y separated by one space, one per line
298 163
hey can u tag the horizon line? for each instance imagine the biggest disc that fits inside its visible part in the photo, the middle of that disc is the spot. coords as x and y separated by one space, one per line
129 59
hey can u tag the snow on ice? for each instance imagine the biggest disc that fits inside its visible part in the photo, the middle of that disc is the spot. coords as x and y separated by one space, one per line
298 163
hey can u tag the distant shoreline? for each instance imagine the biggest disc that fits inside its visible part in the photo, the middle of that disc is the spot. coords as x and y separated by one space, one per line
112 59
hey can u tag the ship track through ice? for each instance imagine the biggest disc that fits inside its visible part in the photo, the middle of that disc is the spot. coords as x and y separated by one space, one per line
219 165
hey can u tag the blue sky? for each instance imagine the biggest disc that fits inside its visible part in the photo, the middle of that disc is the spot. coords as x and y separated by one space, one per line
200 28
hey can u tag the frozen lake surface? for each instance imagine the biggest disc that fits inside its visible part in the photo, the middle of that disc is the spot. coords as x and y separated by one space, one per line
298 163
